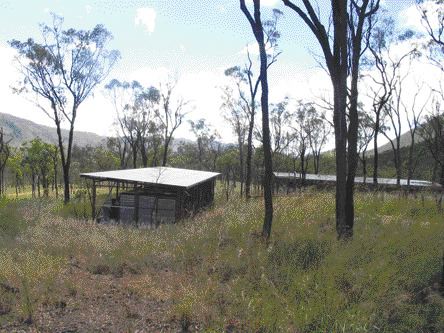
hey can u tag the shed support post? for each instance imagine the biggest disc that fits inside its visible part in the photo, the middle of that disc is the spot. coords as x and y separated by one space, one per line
93 204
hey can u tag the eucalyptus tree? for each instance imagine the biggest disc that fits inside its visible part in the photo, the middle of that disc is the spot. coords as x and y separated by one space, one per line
15 164
248 86
147 125
301 131
5 153
394 114
37 154
432 133
208 145
280 118
171 114
235 115
62 70
365 136
385 81
266 34
119 146
432 17
343 45
244 77
318 131
413 113
136 110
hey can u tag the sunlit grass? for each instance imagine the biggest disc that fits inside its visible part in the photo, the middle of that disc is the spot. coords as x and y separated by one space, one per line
223 275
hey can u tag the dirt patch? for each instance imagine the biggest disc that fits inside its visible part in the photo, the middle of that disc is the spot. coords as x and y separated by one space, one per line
106 303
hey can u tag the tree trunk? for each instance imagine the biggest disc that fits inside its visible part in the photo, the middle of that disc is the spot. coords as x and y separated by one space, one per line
134 151
241 164
340 93
32 184
56 185
441 177
364 167
256 25
65 163
375 149
165 151
38 185
249 153
410 161
303 165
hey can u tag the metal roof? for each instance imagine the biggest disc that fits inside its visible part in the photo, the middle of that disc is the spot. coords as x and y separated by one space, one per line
157 175
358 180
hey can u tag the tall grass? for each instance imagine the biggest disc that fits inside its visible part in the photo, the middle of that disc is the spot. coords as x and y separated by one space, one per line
224 277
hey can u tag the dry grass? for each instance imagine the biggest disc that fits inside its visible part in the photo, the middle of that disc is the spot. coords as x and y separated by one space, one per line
214 272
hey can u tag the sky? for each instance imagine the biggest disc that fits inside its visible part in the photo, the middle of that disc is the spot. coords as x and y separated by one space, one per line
192 40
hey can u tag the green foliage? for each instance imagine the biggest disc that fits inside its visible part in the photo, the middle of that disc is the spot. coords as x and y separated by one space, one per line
78 207
11 221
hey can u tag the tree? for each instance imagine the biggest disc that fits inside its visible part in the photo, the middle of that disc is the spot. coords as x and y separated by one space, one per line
235 114
301 129
432 15
136 110
5 153
351 24
38 157
264 36
245 77
208 148
171 115
15 163
318 131
63 70
432 133
413 115
279 120
147 125
53 152
365 135
119 146
385 79
393 111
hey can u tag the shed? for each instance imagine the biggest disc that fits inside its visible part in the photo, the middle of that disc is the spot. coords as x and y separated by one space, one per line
152 196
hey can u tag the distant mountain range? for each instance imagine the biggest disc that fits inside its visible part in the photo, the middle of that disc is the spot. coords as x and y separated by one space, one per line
22 130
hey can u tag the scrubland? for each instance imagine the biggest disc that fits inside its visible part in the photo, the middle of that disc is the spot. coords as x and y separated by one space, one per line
215 273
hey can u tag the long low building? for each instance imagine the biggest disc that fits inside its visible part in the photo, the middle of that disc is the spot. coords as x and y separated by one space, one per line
296 178
152 196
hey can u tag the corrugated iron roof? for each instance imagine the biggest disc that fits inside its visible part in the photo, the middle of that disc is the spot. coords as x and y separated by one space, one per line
157 175
358 180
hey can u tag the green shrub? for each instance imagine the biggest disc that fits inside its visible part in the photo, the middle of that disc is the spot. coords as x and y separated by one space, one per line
12 222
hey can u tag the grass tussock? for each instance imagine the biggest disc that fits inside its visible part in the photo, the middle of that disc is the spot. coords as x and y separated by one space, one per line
216 273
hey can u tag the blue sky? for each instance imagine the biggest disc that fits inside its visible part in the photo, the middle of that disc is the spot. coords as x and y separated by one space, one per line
194 40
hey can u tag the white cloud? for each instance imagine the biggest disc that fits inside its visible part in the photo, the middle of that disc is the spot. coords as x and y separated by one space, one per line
411 16
88 9
221 8
146 16
12 103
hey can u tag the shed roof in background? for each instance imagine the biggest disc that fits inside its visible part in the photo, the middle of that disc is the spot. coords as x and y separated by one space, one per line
157 175
358 180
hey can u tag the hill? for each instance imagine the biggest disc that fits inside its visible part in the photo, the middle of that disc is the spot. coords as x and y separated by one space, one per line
21 130
405 142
